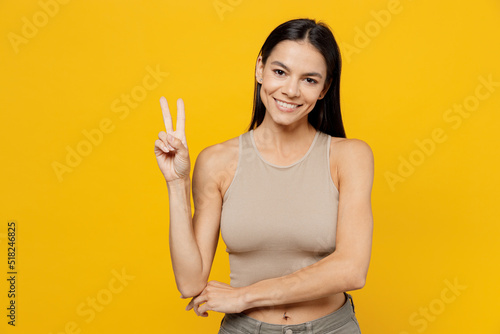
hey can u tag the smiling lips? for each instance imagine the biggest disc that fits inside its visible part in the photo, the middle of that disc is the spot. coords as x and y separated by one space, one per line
284 106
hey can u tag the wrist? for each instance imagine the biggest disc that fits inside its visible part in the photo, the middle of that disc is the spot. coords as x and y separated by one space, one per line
265 293
247 298
255 295
180 182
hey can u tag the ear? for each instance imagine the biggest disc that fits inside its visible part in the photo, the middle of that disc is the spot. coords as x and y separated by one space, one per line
259 68
323 92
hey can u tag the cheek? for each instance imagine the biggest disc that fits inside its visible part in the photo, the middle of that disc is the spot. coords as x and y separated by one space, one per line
313 95
263 96
269 88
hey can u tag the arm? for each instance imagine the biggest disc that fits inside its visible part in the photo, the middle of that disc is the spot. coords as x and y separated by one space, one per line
192 240
343 270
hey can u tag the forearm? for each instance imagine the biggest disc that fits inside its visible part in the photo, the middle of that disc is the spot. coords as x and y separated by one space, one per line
184 251
326 277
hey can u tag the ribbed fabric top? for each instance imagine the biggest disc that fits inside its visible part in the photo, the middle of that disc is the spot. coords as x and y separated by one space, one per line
278 219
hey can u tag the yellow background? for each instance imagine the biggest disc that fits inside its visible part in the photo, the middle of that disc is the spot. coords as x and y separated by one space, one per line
437 225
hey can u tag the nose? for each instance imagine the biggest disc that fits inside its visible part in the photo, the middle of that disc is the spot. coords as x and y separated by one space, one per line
291 88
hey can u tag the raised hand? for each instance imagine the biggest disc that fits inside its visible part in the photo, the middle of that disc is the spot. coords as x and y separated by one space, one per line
171 148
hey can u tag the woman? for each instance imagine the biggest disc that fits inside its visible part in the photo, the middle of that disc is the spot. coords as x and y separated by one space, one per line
291 198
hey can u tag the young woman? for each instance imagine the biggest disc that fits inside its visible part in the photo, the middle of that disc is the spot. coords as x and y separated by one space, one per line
291 198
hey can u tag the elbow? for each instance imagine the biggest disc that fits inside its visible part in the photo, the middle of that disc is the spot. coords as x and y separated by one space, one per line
190 290
357 280
190 286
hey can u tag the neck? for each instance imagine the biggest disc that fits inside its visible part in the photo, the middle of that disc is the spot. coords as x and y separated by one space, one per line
284 138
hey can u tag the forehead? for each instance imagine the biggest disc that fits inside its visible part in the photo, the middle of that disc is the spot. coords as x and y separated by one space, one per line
298 55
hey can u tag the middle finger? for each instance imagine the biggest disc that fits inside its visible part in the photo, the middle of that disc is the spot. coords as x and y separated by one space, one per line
167 118
181 118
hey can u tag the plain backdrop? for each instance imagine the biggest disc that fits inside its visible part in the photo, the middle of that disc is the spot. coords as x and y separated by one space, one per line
80 83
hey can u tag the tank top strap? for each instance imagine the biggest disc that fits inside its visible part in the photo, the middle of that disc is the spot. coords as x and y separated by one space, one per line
321 149
249 157
246 141
317 163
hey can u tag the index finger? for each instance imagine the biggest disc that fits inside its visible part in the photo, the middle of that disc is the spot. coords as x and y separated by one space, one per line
167 119
181 117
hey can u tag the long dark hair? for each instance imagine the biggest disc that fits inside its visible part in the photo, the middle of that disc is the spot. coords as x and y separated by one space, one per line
325 115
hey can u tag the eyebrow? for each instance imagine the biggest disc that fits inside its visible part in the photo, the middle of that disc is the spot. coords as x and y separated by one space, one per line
310 74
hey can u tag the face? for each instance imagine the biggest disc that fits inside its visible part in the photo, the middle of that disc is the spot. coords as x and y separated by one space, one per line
293 79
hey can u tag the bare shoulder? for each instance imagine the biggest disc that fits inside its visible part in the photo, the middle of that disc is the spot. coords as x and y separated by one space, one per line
351 160
219 154
217 161
349 149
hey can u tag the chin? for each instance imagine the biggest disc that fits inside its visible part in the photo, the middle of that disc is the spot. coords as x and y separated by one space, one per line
284 120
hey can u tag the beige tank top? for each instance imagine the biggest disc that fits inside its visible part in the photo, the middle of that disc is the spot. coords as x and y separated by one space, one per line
278 219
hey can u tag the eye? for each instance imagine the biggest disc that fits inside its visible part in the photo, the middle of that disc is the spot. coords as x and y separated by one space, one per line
311 81
279 72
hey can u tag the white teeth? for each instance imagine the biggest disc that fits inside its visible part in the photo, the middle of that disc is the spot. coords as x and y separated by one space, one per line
286 105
